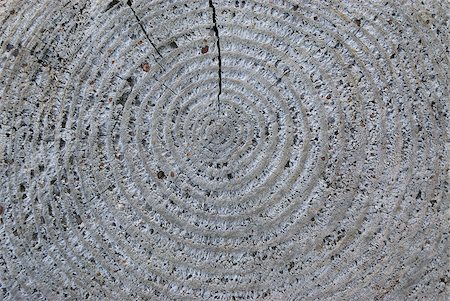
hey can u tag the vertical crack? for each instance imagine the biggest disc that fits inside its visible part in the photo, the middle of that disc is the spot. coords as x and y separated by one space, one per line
129 3
216 31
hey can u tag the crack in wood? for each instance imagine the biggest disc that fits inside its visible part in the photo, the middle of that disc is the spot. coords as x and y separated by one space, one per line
129 3
216 31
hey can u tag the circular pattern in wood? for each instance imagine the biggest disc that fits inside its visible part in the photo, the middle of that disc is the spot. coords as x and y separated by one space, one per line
224 150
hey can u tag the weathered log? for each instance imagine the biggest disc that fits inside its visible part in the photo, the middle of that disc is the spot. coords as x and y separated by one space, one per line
224 150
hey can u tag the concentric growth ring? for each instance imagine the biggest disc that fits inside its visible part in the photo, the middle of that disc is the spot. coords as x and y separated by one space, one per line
224 150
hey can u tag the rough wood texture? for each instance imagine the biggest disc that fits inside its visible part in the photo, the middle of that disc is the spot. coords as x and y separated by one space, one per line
224 150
